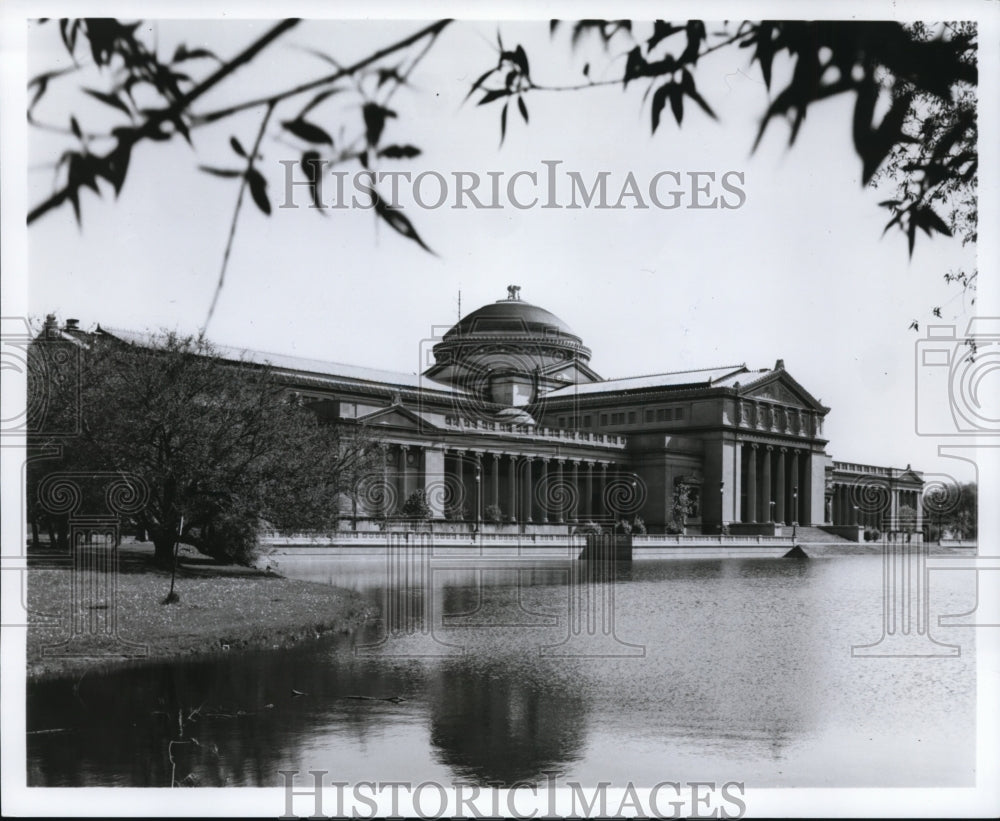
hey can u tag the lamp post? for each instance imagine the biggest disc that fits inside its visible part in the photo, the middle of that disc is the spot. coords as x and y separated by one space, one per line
722 508
795 510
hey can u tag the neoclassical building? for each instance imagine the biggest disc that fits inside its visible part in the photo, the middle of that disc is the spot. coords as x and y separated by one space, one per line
509 426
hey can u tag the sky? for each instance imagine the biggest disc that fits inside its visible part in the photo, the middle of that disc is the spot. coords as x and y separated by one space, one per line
800 271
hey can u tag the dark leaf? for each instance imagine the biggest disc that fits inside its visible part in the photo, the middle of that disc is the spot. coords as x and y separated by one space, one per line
764 53
496 94
220 172
521 60
237 146
660 100
117 165
522 108
503 123
479 82
313 170
182 54
586 69
687 86
677 102
258 190
109 99
927 220
375 116
399 222
307 131
635 64
399 152
75 128
661 30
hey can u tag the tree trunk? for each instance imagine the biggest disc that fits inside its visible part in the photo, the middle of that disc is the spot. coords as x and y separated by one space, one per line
163 543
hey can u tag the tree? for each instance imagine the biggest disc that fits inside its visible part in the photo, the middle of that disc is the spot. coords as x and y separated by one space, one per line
416 506
217 442
906 519
913 87
953 508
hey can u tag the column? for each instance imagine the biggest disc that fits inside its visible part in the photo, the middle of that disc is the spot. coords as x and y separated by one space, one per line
495 481
529 491
574 513
435 476
782 489
545 491
384 495
737 480
401 477
766 487
602 486
512 486
588 496
560 501
752 485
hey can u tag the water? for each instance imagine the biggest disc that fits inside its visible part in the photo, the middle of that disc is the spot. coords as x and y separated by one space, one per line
716 670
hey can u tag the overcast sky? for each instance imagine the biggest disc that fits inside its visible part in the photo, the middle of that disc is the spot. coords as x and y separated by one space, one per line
800 271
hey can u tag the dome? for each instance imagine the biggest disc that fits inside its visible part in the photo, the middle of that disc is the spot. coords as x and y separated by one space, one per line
511 316
509 352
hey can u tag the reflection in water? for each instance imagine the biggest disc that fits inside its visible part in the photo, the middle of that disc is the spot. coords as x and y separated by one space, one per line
490 727
746 674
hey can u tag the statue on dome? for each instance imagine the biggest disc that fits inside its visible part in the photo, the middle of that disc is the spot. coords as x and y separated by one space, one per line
514 292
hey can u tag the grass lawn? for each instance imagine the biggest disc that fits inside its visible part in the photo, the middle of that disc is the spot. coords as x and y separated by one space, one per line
221 608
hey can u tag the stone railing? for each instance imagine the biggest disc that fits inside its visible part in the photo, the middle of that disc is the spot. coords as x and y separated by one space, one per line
373 537
576 437
852 467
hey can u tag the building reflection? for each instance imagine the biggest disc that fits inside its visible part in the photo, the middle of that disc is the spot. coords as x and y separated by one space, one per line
503 723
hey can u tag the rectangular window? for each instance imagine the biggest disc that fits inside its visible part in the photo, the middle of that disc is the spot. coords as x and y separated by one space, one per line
604 419
649 416
631 417
586 421
679 414
562 421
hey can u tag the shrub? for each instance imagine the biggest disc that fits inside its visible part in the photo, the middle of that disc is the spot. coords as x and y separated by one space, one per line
493 514
416 506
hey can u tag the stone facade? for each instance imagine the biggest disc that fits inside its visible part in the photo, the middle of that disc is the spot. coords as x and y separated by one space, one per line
508 427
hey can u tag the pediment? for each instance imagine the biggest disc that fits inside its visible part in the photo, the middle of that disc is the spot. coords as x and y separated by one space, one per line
571 373
396 416
782 389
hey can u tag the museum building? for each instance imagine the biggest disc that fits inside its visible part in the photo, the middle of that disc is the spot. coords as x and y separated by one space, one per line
509 426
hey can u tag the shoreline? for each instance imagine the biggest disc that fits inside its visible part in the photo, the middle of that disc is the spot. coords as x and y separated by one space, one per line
222 608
